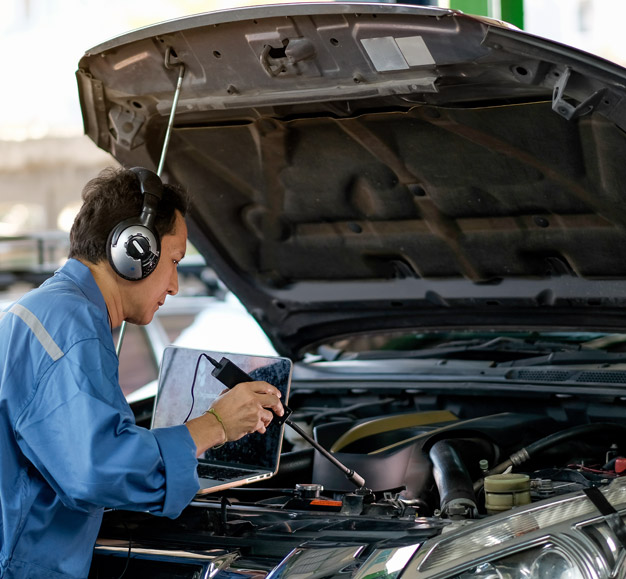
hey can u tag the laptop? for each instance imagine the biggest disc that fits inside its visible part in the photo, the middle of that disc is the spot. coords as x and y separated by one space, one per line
186 390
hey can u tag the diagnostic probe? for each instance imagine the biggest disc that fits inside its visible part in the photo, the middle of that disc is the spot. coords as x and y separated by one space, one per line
230 375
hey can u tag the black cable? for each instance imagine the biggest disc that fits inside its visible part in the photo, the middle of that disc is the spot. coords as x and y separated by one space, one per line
193 382
130 546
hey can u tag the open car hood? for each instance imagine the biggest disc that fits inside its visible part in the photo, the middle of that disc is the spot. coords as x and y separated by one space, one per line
361 166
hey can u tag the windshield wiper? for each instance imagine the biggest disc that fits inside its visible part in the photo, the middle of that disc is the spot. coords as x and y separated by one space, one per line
568 358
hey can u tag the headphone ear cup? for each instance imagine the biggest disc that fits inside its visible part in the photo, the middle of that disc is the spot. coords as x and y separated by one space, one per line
133 250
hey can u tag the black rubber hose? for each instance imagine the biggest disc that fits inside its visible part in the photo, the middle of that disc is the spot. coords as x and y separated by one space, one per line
575 432
542 444
452 480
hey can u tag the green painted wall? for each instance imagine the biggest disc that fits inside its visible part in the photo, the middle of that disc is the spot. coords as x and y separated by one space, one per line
471 6
511 10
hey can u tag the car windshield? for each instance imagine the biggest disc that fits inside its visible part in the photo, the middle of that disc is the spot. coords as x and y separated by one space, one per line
498 346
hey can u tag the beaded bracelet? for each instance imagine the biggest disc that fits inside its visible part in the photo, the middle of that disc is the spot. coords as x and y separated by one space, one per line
219 419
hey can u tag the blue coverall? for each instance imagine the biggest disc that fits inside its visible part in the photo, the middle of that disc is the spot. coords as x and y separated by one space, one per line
69 445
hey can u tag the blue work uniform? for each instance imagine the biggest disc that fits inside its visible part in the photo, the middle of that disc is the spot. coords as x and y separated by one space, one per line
69 445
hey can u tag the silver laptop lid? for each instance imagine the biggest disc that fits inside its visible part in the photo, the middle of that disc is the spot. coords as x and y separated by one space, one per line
187 389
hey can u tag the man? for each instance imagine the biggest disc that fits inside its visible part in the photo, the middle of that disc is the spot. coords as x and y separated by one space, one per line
68 441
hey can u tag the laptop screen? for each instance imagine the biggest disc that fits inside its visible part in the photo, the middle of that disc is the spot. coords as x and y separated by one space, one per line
180 397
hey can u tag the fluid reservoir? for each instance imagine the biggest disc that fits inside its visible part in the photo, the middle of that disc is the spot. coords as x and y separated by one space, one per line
505 491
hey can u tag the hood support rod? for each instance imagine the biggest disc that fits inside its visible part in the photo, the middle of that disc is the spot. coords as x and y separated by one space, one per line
166 141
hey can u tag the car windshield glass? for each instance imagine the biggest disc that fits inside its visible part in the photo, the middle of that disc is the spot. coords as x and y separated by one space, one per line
500 347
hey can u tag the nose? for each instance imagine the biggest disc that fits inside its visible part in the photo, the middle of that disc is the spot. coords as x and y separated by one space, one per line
172 288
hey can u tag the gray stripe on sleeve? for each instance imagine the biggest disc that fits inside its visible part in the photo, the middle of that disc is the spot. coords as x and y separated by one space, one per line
37 328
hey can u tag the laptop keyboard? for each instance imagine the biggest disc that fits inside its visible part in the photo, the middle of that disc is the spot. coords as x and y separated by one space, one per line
222 473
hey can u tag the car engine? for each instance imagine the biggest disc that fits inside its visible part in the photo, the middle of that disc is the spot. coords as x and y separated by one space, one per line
426 472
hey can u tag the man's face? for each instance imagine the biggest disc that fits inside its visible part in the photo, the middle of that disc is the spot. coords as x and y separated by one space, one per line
145 297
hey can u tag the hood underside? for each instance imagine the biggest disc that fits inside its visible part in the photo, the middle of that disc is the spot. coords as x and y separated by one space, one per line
358 167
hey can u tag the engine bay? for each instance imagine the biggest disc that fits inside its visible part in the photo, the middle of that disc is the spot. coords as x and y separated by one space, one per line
426 460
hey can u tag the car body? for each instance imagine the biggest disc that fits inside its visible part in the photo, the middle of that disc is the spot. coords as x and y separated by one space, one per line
424 210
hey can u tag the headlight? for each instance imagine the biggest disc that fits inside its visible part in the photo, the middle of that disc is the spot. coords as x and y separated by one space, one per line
542 563
563 538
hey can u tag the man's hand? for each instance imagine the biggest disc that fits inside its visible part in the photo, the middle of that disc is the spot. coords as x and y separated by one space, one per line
242 410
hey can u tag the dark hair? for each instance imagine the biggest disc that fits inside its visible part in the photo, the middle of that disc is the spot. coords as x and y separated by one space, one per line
111 197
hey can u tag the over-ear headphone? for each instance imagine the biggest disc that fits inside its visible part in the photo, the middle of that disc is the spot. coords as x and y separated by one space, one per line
134 246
